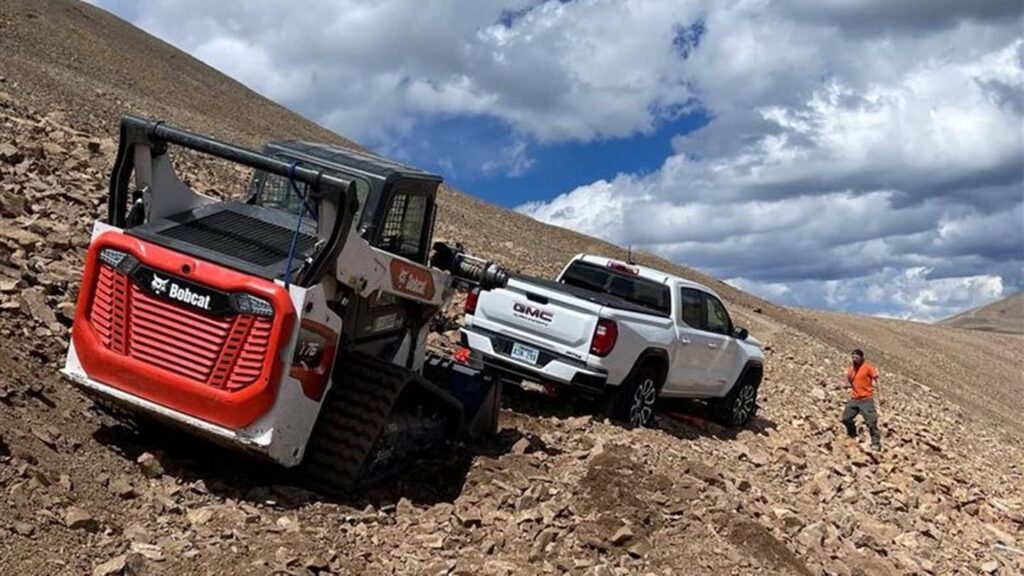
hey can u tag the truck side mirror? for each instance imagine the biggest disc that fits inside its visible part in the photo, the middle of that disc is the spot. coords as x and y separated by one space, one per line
741 333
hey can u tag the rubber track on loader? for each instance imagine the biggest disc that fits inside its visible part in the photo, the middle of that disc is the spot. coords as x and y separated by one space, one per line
354 413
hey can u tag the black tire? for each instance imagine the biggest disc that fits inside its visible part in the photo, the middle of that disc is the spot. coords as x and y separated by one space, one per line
738 407
635 400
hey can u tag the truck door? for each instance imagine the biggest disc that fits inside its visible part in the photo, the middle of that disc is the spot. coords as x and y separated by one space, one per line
688 371
723 351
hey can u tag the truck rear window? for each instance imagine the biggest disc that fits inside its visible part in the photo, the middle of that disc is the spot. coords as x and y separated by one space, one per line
632 289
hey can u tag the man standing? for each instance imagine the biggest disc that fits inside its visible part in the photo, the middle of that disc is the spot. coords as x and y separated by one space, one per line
862 377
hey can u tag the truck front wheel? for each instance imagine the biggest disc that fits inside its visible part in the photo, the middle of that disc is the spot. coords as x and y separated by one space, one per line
738 406
634 401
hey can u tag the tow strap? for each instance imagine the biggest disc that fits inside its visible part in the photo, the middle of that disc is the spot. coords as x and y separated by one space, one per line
303 207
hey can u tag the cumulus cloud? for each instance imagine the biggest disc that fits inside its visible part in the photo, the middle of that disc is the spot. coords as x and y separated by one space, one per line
595 207
554 71
909 293
843 167
858 154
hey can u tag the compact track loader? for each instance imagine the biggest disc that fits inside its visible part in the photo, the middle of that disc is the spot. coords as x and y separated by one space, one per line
292 324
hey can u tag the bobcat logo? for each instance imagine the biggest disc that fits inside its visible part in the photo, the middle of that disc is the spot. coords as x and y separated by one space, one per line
159 285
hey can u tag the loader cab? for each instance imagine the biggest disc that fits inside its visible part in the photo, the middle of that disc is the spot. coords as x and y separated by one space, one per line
395 213
396 203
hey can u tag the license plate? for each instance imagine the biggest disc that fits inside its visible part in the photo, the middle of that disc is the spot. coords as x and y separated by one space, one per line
524 353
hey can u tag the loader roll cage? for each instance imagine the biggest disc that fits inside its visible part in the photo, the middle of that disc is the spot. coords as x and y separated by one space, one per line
396 204
142 151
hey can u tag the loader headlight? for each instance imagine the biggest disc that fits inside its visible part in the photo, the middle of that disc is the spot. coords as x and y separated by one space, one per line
249 304
112 257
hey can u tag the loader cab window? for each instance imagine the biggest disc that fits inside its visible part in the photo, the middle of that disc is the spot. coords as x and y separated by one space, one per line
275 191
405 227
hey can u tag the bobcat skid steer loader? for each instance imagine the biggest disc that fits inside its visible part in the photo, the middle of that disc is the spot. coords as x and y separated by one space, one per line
291 324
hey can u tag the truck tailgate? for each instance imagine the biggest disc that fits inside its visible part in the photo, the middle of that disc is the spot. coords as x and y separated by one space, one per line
550 318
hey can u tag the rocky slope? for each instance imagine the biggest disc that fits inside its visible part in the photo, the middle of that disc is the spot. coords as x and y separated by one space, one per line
558 491
1006 315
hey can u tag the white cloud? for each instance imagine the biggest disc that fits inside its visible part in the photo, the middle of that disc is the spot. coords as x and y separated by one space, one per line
554 71
863 154
513 161
820 180
908 294
598 206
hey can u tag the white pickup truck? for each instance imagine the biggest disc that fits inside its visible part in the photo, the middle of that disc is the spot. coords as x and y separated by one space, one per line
625 333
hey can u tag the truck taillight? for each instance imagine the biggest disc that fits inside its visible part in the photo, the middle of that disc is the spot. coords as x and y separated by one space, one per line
471 300
605 335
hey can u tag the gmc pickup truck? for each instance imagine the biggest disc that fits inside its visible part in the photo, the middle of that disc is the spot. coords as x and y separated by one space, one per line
622 333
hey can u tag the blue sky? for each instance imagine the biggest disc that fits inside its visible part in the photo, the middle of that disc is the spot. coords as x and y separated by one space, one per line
863 155
461 148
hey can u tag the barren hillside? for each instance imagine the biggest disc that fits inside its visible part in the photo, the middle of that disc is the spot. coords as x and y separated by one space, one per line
1006 315
557 492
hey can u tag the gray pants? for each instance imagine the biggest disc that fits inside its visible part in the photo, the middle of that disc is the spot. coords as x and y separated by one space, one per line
867 409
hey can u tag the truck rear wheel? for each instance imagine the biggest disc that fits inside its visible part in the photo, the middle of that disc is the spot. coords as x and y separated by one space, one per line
636 398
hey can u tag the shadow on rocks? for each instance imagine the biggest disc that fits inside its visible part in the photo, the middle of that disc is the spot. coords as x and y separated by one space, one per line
683 418
689 420
197 463
430 477
539 405
440 474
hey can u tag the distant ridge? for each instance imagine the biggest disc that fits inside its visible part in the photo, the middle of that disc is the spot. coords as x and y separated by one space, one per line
1006 315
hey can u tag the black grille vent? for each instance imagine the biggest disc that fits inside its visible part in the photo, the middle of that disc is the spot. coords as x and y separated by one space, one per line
239 236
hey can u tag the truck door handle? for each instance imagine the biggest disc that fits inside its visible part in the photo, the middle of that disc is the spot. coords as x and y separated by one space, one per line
712 345
685 340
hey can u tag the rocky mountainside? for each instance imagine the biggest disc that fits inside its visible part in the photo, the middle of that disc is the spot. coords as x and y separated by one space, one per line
1006 315
558 491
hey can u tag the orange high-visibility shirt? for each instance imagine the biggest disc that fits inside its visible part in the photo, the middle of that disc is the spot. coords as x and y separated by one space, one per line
863 380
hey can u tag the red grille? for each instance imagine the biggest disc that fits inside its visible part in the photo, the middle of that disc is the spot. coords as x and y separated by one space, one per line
225 352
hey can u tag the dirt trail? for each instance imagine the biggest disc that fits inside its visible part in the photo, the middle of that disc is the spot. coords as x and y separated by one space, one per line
558 491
